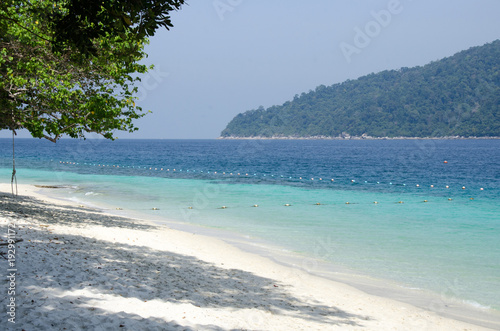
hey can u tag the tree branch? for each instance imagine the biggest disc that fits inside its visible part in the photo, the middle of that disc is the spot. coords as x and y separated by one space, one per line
25 28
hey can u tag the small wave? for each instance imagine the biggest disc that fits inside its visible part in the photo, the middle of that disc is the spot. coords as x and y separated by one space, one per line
411 288
476 304
92 193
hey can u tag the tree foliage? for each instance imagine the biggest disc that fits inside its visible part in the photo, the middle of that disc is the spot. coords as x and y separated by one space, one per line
456 96
71 79
86 20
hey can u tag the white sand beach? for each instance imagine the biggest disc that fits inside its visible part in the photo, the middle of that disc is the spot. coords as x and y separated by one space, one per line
81 269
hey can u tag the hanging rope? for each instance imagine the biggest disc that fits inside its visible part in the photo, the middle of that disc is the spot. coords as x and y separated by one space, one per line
14 178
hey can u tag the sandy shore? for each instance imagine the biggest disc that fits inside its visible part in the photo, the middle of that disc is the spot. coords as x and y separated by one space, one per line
80 269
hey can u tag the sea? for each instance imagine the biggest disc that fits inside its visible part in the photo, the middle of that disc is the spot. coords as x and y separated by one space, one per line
417 220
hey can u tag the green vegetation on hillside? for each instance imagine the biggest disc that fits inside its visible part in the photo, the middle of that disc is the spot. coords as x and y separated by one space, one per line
456 96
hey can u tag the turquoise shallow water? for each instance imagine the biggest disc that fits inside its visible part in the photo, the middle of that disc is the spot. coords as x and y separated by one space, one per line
448 245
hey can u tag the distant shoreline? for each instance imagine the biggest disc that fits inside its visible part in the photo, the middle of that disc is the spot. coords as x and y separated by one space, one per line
353 138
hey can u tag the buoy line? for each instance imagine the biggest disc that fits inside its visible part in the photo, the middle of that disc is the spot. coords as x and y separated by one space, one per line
329 203
228 174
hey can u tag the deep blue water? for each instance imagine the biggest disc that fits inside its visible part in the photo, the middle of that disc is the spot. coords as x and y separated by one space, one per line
375 166
448 244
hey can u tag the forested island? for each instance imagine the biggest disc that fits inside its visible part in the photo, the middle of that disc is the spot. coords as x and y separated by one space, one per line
458 96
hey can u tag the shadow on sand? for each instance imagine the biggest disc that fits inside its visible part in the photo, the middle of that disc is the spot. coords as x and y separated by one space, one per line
135 272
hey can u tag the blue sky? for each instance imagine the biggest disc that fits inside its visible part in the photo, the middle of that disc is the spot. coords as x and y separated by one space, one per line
223 57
